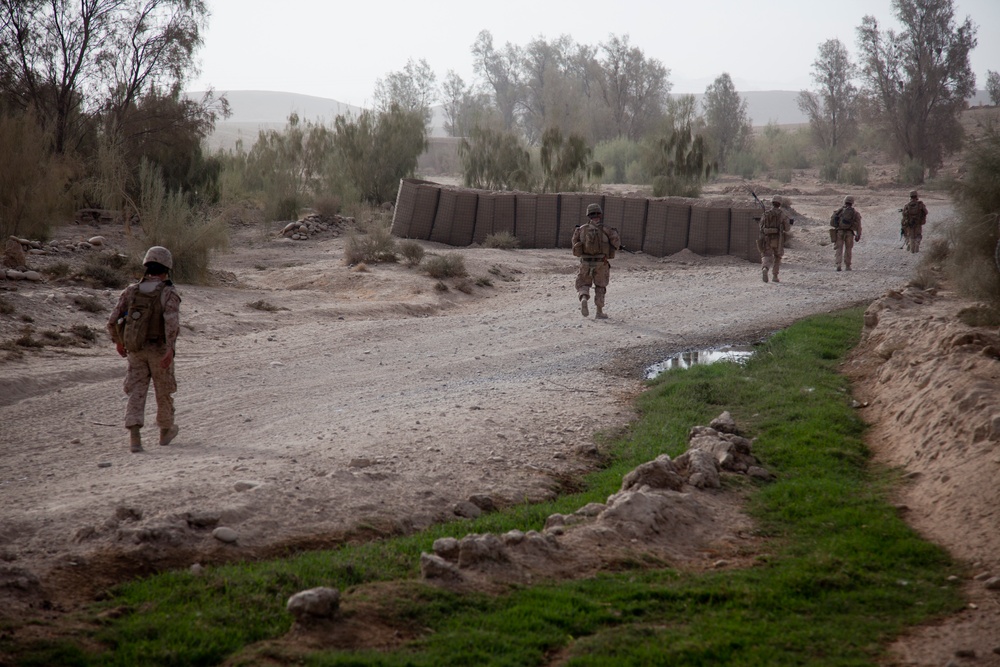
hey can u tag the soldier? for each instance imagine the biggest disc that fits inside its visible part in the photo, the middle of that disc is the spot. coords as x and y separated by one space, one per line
144 326
845 230
914 219
774 224
594 244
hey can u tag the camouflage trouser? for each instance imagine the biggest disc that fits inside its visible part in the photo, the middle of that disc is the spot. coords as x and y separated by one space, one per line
598 275
843 246
143 366
913 237
770 256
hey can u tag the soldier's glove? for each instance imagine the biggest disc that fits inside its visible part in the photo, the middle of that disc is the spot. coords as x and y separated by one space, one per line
121 349
857 238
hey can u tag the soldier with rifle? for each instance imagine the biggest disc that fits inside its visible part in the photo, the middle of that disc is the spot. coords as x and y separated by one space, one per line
774 224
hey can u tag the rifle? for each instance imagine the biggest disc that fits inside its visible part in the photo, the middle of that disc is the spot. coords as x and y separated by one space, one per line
791 221
621 247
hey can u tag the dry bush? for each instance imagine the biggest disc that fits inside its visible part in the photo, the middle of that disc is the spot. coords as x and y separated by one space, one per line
502 241
925 278
110 270
260 304
169 221
327 205
84 332
412 252
33 182
446 266
6 307
377 245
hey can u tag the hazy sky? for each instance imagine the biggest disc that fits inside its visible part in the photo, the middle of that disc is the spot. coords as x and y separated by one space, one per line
339 50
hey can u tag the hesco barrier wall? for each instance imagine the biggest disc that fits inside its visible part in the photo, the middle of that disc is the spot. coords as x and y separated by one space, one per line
659 227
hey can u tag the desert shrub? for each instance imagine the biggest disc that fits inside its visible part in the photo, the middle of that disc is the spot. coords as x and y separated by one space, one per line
83 332
266 306
57 270
975 235
6 307
446 266
829 170
27 340
440 286
377 245
925 278
33 181
911 172
743 163
980 316
937 251
169 221
854 172
88 304
483 281
110 270
464 286
412 252
327 205
501 241
618 156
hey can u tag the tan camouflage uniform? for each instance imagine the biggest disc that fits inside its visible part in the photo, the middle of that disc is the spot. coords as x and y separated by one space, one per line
144 365
774 224
595 272
843 239
914 219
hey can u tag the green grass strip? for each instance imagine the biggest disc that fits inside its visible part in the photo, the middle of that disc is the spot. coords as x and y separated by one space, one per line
840 576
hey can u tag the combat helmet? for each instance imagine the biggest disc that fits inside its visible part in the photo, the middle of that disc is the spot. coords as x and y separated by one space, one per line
160 255
594 209
776 200
848 200
913 194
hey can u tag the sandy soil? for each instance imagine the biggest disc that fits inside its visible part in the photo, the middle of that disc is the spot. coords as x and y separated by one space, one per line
374 401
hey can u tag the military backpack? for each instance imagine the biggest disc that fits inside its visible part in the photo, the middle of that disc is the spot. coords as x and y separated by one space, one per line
142 323
593 242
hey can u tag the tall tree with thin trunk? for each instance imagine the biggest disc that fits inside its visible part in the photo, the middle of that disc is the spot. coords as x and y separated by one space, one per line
634 87
414 88
917 81
501 71
727 124
833 108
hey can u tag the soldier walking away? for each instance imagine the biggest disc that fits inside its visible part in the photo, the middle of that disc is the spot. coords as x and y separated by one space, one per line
774 224
144 327
914 219
594 244
845 230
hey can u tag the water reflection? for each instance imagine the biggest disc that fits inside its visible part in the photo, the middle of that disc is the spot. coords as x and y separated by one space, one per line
737 353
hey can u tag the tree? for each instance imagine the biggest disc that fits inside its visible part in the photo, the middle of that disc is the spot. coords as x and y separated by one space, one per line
917 81
727 124
412 89
500 70
75 62
832 111
464 108
379 149
678 163
993 86
494 160
565 162
634 88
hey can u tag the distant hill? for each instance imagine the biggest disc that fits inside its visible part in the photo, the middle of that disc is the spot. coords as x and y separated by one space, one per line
256 110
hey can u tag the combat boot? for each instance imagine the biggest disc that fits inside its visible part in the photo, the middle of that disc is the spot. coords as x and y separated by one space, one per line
600 313
168 434
776 278
583 305
763 273
848 267
135 438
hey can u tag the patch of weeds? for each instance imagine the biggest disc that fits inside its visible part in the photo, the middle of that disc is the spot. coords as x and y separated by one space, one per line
378 245
83 332
54 338
260 267
88 303
446 266
266 306
937 251
925 278
980 316
27 340
360 268
27 318
464 286
502 241
440 286
483 281
503 273
6 307
412 252
58 270
110 270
